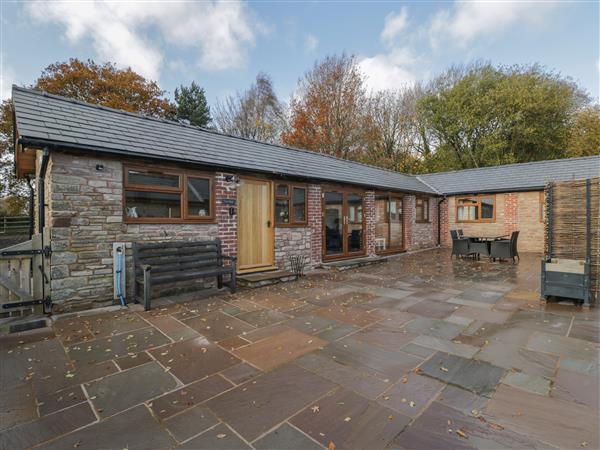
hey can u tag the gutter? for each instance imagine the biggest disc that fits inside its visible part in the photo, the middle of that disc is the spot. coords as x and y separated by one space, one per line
41 189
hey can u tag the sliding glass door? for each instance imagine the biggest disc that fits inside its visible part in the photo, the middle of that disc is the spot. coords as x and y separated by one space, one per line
343 224
389 229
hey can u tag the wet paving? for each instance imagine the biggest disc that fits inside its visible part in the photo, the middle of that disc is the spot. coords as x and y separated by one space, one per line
422 352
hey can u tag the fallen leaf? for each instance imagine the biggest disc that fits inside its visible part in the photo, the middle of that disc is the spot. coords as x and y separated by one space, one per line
461 433
443 369
221 435
331 446
315 409
412 404
347 419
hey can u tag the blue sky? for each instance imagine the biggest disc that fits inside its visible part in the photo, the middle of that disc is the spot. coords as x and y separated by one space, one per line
223 45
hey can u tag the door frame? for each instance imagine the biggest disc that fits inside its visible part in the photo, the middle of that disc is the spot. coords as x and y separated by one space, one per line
401 197
271 239
345 254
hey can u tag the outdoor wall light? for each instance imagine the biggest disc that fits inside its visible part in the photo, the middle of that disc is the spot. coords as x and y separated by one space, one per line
100 167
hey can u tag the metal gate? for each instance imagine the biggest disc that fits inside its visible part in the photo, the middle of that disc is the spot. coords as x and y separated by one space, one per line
25 277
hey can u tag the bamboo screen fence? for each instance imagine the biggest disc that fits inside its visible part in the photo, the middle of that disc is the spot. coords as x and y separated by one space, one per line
566 224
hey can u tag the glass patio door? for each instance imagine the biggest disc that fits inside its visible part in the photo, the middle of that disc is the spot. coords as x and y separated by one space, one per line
389 230
343 224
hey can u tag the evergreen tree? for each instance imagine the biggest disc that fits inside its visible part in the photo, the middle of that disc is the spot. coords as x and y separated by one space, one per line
192 105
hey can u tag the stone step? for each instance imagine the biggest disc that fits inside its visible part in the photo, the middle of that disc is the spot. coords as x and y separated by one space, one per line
346 264
259 279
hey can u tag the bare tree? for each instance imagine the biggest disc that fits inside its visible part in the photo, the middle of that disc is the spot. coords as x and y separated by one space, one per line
255 114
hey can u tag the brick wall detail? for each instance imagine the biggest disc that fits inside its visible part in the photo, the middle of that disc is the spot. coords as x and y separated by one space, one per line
370 213
315 219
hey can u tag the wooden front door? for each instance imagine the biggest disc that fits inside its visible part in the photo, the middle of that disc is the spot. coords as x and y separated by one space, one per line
255 225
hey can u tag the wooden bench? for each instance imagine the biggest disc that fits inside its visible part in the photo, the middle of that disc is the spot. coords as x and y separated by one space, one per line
181 261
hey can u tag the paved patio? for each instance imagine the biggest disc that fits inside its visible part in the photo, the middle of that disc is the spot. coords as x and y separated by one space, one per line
419 353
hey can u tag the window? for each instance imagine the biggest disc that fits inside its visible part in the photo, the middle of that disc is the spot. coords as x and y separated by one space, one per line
478 208
422 209
290 205
388 223
156 196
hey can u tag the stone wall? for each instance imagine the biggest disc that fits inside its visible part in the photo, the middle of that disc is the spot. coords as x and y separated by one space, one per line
514 211
292 241
85 208
422 234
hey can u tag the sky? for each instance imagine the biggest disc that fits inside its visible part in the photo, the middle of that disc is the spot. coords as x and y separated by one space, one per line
222 45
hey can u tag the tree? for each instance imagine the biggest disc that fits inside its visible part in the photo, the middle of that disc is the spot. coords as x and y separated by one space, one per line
192 105
105 85
89 82
327 115
396 138
254 114
584 136
493 116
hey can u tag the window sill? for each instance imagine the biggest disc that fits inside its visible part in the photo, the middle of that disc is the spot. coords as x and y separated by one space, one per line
207 221
291 225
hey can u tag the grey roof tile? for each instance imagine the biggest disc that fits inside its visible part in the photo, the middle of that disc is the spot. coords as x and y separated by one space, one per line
513 177
72 123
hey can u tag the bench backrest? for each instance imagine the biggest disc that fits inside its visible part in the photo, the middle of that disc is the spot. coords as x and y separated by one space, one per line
171 256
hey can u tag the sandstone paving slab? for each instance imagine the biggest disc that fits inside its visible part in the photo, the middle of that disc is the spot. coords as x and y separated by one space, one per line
482 314
262 317
335 332
411 394
557 422
49 403
17 405
443 345
257 406
541 321
286 437
585 367
194 359
418 350
351 378
240 373
72 330
475 376
530 383
112 323
458 319
219 437
190 422
396 304
393 318
115 346
577 388
20 339
188 396
233 342
268 331
513 356
217 326
494 332
351 299
350 421
433 309
482 296
587 329
275 301
434 327
353 316
384 336
279 349
441 427
312 324
45 428
462 400
473 303
173 328
563 346
397 294
133 429
377 361
123 390
127 362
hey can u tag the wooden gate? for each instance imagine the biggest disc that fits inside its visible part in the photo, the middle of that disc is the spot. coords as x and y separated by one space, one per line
25 277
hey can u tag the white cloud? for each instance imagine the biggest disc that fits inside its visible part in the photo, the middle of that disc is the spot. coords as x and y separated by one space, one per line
469 20
394 24
311 42
131 33
390 70
7 79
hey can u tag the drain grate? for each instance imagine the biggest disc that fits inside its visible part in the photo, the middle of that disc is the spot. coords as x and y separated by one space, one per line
26 326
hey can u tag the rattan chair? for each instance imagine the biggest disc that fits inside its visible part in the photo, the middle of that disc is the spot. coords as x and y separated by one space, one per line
505 248
460 247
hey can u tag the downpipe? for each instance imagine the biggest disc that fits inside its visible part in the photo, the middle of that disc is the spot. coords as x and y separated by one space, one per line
119 272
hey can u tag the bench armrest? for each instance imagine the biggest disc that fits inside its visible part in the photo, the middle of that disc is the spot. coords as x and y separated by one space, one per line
146 267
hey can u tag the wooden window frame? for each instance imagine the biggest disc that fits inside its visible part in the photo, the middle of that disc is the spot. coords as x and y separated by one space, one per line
389 196
289 198
182 190
477 200
421 219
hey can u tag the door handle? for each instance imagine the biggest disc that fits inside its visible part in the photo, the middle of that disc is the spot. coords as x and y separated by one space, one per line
268 224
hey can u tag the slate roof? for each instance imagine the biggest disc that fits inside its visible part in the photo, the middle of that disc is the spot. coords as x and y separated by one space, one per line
49 119
513 177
